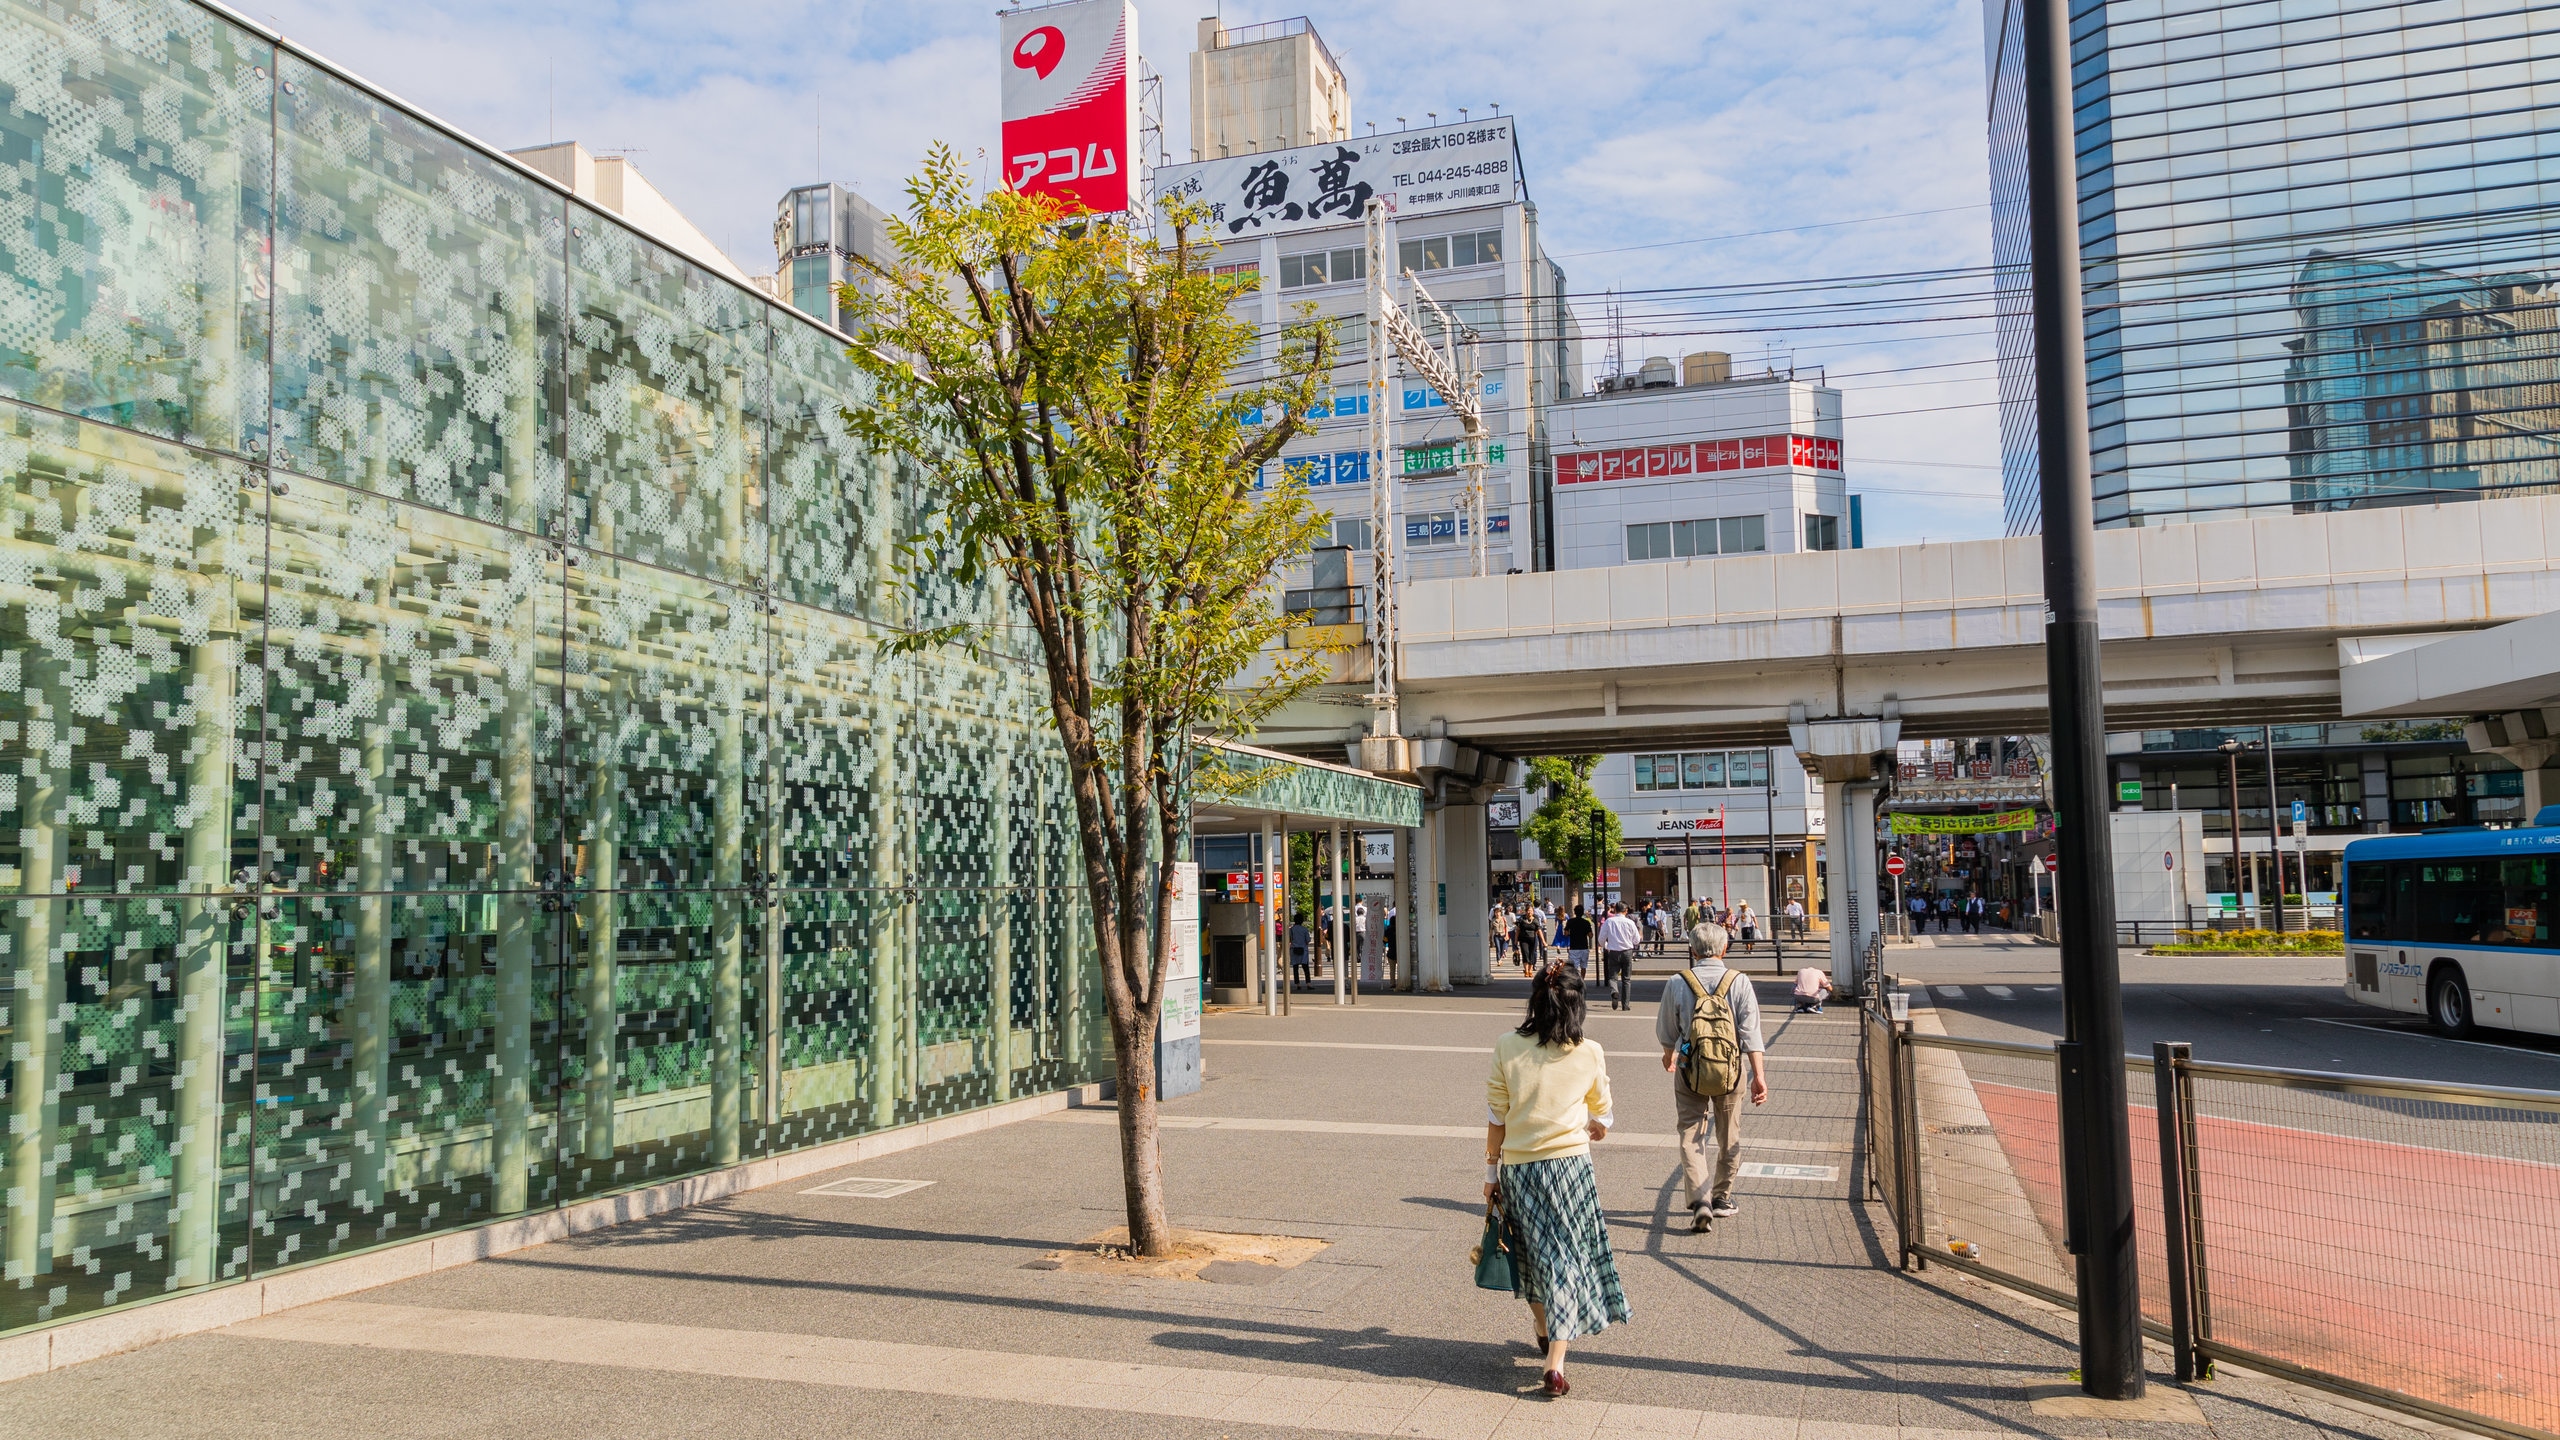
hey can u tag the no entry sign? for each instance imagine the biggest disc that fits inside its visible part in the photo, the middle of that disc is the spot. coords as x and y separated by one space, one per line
1893 865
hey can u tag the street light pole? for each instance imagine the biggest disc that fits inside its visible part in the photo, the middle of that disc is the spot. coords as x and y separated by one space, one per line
2231 784
2096 1139
2275 837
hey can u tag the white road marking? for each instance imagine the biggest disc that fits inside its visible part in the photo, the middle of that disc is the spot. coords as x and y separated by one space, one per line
1466 1049
2372 1029
2003 991
860 1188
1304 1402
1287 1125
1951 992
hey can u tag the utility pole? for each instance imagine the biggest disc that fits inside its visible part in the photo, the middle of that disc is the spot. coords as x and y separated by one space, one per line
2275 823
2097 1150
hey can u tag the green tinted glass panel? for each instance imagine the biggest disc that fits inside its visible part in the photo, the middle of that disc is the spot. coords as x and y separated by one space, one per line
418 289
134 173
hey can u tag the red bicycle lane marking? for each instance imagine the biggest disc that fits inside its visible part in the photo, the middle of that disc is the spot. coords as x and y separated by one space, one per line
2422 1270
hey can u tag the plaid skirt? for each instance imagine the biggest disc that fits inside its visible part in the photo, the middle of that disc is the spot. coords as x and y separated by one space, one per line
1560 1246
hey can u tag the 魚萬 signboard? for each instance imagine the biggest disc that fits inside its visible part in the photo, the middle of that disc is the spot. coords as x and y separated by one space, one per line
1071 102
1416 172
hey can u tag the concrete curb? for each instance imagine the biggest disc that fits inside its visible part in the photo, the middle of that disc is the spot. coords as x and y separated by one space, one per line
150 1322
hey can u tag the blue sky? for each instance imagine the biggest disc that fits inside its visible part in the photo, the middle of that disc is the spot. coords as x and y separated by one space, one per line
1641 124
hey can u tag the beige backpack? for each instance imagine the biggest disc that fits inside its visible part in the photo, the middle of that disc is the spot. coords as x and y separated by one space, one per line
1711 1060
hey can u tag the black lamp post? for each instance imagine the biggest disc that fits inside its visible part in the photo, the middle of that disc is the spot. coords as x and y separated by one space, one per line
2231 787
2097 1150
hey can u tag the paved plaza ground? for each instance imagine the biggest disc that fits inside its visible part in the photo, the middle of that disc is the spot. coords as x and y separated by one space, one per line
792 1312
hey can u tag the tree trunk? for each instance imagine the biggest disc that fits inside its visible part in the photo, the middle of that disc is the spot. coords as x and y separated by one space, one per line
1141 1155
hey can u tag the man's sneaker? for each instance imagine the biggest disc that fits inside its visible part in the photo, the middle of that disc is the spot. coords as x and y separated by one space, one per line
1700 1222
1721 1209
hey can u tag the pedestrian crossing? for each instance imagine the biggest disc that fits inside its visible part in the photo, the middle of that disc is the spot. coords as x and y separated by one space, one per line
1996 992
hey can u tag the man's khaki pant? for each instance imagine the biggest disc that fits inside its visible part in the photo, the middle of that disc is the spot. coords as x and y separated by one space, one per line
1697 1112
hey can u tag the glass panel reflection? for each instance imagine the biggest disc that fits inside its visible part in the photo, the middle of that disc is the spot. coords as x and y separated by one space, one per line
136 181
128 693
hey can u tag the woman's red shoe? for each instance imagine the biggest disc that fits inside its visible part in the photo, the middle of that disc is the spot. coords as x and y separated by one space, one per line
1557 1385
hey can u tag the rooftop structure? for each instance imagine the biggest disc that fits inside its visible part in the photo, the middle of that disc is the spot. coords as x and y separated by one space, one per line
1264 87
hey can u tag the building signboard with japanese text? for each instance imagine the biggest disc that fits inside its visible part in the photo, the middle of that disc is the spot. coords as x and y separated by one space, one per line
1416 172
1071 103
1702 457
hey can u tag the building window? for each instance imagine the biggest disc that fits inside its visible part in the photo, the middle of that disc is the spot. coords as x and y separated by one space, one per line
809 218
1682 539
1247 275
1450 252
1822 532
809 288
1438 527
1323 267
1703 770
1352 534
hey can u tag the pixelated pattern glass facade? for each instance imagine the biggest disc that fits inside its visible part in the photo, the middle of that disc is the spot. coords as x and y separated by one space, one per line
452 768
2316 248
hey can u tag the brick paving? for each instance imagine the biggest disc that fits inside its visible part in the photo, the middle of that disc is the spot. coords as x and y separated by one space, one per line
786 1312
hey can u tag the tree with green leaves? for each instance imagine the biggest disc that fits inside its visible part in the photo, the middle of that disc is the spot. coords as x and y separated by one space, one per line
1063 386
1573 831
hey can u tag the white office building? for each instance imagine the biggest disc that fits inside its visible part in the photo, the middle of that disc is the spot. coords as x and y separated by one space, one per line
1675 463
1466 227
817 232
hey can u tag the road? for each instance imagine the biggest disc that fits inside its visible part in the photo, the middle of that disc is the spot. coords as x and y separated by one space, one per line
2280 1011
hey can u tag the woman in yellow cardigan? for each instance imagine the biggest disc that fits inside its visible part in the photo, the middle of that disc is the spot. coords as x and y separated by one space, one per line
1547 1102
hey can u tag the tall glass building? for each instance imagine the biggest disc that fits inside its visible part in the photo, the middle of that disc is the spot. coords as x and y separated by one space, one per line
452 767
2317 248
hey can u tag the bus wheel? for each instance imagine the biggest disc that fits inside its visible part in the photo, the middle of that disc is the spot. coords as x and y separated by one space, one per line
2449 1002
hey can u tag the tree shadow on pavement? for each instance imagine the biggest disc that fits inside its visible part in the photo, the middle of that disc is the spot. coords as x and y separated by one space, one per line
715 1221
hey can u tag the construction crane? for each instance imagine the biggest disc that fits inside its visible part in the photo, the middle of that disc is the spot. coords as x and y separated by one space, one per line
1454 374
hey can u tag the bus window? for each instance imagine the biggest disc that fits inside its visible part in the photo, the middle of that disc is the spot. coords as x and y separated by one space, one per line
2369 899
2526 893
2459 902
2405 897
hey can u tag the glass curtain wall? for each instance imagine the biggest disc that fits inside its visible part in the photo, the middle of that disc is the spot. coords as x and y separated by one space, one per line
2317 249
452 767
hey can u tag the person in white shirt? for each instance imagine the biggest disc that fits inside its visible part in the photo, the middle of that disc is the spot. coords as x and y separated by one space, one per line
1619 938
1795 919
1812 988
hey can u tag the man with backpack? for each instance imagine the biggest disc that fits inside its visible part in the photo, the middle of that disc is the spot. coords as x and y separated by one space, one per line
1709 1028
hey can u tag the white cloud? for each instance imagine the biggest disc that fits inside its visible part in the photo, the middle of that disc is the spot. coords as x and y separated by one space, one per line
1640 123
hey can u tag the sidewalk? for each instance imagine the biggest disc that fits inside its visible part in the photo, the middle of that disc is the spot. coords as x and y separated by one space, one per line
791 1312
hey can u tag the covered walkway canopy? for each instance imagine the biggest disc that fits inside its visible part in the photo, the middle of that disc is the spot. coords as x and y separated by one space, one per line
1243 790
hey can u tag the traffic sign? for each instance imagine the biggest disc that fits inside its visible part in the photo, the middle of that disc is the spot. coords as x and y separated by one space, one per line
2168 859
1893 865
2039 867
2301 813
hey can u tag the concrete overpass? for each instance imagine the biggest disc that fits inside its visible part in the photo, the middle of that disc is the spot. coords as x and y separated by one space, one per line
1842 652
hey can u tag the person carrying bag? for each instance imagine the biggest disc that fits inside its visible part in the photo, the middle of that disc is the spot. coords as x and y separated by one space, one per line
1709 1029
1546 1102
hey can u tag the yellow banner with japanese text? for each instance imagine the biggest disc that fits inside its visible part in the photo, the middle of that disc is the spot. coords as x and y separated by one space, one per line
1906 823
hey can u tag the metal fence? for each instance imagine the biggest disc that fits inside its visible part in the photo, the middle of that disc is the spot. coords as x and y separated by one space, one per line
2395 1241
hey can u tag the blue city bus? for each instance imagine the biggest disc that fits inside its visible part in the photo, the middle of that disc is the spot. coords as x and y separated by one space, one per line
2461 926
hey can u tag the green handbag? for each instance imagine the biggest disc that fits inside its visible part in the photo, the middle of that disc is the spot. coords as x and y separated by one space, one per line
1493 1253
